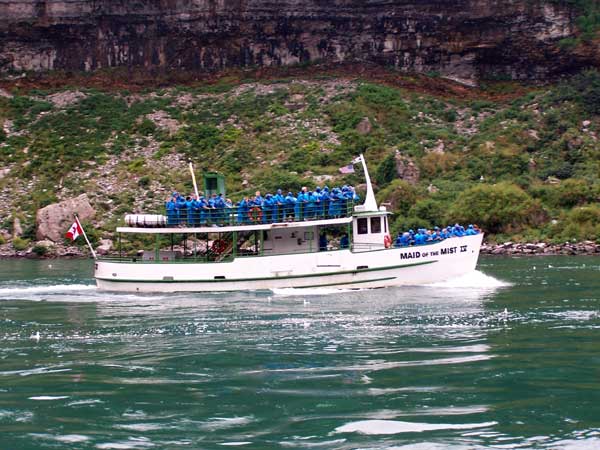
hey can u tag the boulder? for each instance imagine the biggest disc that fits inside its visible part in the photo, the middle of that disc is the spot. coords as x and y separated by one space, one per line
364 126
53 221
407 169
105 247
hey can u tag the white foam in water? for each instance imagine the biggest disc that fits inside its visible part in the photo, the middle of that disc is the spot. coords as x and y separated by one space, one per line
475 279
49 397
375 427
287 292
47 289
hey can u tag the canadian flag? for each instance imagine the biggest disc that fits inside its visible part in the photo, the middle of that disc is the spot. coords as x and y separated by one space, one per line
75 231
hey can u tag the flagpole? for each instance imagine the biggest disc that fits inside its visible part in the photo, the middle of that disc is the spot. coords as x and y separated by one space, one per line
86 238
194 180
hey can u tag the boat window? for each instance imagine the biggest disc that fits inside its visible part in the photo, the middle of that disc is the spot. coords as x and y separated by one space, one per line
375 224
362 225
308 236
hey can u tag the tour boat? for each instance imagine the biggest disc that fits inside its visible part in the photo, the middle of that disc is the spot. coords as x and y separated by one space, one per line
288 251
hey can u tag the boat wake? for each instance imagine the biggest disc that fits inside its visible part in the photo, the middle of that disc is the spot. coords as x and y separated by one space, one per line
307 292
474 280
18 291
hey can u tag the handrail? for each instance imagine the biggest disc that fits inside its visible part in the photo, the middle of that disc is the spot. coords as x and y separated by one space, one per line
184 216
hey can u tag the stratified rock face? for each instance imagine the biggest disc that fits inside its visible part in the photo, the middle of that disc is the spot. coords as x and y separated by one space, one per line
54 220
457 38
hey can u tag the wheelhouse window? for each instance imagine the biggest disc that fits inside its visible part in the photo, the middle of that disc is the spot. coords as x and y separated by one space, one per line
375 224
362 225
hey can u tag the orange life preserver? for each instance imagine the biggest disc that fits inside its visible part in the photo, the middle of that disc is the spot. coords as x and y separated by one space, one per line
387 241
255 214
218 246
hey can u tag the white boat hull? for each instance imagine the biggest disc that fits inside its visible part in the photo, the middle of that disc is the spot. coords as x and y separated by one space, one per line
341 269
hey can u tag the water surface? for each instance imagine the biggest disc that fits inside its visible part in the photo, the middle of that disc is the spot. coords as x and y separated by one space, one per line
508 357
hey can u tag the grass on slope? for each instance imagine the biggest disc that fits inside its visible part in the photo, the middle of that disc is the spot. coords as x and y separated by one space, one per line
524 168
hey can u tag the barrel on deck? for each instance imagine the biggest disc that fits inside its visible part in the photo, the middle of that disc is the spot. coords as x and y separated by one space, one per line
145 220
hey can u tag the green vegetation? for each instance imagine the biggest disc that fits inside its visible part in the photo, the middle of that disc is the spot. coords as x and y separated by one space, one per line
20 244
588 22
522 167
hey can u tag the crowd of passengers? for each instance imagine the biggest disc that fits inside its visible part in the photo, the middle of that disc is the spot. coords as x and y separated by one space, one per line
321 203
423 236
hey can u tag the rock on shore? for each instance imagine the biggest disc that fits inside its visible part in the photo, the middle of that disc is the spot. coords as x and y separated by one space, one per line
520 249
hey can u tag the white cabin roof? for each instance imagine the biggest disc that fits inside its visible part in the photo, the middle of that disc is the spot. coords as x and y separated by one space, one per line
228 229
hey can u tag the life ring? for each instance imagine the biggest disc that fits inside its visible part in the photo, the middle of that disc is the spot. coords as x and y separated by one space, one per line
218 246
387 241
255 214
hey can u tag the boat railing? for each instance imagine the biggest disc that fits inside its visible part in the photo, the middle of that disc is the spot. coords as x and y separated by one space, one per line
185 216
206 256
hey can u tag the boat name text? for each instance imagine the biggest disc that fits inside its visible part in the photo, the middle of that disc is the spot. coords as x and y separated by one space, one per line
443 251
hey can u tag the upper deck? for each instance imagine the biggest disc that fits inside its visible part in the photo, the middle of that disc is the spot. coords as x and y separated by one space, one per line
221 220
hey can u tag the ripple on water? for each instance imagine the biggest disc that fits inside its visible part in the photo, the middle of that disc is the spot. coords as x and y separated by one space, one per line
396 427
66 438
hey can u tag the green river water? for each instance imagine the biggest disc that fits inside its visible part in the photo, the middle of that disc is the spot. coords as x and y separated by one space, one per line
505 358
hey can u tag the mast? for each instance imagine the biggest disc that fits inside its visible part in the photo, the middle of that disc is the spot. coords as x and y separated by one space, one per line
370 203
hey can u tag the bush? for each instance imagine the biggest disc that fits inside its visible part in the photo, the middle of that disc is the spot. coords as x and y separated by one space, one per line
497 208
144 181
20 244
146 127
386 171
405 223
399 194
579 224
430 211
40 249
573 192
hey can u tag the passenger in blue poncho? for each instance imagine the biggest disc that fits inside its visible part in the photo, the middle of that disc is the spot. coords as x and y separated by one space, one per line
289 206
335 200
268 205
301 202
181 210
195 211
190 212
471 231
242 211
344 241
324 208
420 237
322 242
278 203
171 207
311 205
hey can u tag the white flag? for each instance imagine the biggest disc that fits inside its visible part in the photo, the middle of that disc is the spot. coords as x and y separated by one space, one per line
357 160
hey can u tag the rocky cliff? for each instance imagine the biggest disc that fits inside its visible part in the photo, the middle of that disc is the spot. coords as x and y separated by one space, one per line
465 39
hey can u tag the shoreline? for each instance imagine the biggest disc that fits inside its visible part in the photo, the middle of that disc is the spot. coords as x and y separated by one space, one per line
584 248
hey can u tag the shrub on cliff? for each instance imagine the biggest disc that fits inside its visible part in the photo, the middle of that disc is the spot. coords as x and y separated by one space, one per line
498 208
583 89
399 194
386 171
578 224
430 210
